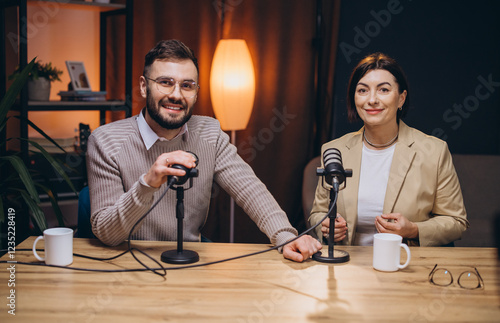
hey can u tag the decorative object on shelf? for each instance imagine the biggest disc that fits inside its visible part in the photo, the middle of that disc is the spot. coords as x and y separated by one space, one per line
18 187
39 89
82 95
78 75
79 89
39 80
232 90
84 131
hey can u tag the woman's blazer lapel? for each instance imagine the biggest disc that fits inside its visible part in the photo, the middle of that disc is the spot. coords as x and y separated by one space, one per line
401 163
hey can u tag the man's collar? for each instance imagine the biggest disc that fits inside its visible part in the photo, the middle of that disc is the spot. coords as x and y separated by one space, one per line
149 137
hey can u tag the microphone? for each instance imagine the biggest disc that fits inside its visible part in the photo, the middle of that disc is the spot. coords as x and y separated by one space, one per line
334 174
181 256
333 171
190 172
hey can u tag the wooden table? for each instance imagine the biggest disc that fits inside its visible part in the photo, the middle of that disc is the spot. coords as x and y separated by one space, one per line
262 288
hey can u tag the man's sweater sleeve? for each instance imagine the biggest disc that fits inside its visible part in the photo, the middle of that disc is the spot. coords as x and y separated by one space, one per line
237 178
114 211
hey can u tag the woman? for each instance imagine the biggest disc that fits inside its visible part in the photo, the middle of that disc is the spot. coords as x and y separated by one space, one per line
404 181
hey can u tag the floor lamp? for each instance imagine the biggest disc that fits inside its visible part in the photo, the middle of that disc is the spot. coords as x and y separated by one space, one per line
232 90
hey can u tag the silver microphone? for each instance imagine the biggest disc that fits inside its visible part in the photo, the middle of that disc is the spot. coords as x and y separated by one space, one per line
333 170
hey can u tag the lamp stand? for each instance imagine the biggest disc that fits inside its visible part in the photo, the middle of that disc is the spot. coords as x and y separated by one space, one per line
231 202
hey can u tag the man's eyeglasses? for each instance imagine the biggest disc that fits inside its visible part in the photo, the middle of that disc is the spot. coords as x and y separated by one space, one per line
470 279
166 85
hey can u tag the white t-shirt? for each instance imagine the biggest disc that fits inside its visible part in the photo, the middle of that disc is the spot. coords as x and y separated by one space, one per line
373 178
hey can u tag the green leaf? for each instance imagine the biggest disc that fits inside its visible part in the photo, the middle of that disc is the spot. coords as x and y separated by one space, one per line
7 180
36 212
55 205
16 87
54 163
3 125
45 70
40 131
24 175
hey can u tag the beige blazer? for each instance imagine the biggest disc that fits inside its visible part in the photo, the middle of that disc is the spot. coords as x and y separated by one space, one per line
423 186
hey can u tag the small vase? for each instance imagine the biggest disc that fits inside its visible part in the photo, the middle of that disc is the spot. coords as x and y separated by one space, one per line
39 89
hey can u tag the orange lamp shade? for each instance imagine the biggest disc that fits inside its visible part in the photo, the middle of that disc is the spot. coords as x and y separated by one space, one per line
232 84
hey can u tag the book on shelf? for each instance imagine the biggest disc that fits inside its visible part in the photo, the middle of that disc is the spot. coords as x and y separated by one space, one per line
82 95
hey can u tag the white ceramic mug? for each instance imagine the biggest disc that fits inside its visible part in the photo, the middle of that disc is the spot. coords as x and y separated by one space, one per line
58 246
387 252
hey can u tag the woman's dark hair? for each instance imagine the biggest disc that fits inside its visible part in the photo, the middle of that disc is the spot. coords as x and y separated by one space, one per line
376 61
172 49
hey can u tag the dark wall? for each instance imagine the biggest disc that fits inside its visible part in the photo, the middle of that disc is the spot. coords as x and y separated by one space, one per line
450 51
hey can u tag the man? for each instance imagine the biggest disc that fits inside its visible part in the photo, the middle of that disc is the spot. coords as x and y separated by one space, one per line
129 161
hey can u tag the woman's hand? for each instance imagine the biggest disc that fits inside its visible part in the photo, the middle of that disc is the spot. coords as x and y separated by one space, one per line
340 228
400 225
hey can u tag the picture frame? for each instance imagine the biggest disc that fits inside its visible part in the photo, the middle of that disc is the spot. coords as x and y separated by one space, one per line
78 75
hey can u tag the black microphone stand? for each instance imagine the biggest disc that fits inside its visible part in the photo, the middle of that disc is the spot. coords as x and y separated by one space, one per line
180 256
342 256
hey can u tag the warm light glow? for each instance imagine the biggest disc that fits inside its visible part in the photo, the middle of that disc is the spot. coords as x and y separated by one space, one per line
78 31
232 84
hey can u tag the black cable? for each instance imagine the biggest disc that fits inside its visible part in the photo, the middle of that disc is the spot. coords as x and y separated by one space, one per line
72 268
171 181
162 268
261 251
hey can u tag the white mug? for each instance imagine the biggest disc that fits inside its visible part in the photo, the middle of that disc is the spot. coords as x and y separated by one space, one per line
58 246
387 252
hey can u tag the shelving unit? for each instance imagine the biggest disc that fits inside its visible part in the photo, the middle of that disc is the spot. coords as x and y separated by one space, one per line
105 11
101 106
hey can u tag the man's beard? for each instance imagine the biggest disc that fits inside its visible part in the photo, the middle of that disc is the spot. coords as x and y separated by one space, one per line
154 113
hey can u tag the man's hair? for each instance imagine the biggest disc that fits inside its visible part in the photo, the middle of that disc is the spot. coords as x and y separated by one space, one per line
169 50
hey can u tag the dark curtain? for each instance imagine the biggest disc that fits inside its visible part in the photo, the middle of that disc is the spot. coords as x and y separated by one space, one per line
293 58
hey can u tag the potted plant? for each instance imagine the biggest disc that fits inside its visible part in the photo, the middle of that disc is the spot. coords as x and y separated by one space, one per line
39 80
18 189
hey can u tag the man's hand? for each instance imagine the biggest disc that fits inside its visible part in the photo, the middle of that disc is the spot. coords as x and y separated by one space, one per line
159 172
400 225
301 249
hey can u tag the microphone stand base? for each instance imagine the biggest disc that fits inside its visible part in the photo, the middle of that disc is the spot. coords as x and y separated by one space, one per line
180 258
339 256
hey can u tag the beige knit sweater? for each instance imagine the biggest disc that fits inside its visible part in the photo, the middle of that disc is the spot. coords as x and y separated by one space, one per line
117 159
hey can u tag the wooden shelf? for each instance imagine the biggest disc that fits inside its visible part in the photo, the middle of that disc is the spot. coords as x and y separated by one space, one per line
61 105
101 106
104 11
81 5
